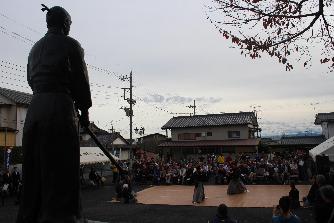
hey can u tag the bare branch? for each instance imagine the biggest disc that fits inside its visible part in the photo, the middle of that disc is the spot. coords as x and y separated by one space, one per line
297 34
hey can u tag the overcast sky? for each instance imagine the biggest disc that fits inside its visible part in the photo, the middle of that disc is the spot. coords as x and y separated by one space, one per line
176 56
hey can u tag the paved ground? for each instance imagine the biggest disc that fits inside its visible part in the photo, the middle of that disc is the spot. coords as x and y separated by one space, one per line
97 206
217 194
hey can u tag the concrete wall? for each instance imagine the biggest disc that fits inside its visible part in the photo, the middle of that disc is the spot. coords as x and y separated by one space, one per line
218 133
124 154
327 129
8 116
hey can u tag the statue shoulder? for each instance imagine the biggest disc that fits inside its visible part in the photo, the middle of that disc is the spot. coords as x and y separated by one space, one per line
73 42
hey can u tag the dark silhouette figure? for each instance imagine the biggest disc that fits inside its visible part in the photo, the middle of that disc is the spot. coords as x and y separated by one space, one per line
16 178
222 215
294 196
282 213
324 205
57 75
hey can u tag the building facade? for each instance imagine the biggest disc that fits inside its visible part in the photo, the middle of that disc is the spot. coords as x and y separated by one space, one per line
193 136
326 120
149 143
113 142
13 110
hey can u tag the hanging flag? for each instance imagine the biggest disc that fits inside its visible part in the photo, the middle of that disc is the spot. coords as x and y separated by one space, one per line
8 158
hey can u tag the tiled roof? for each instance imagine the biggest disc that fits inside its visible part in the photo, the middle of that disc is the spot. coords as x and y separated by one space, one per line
8 129
203 143
105 139
16 96
242 118
324 117
302 140
269 141
154 134
96 130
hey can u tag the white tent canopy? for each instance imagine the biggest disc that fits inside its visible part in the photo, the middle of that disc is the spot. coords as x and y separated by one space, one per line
325 148
91 155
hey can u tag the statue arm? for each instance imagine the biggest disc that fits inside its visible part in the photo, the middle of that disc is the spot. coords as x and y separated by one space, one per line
79 78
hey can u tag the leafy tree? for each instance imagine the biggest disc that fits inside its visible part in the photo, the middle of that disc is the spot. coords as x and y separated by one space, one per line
285 29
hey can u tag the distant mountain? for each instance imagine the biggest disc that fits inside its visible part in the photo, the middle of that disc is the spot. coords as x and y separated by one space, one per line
295 134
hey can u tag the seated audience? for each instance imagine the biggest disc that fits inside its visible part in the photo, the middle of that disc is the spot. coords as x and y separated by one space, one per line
95 178
324 205
222 215
282 213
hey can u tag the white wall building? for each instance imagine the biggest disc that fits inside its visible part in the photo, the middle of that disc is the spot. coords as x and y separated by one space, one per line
13 111
326 120
214 133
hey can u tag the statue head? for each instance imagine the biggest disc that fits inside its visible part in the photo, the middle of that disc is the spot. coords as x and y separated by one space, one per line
58 17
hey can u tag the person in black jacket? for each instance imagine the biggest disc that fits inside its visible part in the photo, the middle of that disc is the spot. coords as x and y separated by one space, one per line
324 205
310 198
294 196
16 178
222 215
57 75
199 178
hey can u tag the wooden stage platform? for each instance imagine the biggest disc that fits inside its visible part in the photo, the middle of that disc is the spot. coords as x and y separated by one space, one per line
258 195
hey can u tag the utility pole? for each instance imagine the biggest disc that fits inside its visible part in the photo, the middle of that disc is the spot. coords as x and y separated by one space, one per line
193 106
5 150
131 114
256 109
129 111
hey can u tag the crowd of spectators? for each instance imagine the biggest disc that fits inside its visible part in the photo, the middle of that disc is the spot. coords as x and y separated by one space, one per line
10 184
272 168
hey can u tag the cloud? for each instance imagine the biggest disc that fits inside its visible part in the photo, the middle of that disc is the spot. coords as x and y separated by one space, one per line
210 100
176 99
154 98
279 128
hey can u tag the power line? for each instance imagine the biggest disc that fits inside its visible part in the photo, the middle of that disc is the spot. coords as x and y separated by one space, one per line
12 68
16 36
17 85
18 23
22 38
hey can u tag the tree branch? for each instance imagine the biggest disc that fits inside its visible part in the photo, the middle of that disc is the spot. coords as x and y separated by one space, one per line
299 33
327 29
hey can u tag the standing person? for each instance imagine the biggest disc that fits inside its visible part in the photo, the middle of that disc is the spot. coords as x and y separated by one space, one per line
198 195
57 75
114 174
310 198
236 186
294 196
16 178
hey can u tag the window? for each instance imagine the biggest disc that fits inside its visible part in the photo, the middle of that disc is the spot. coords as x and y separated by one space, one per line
209 134
198 134
187 136
233 134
